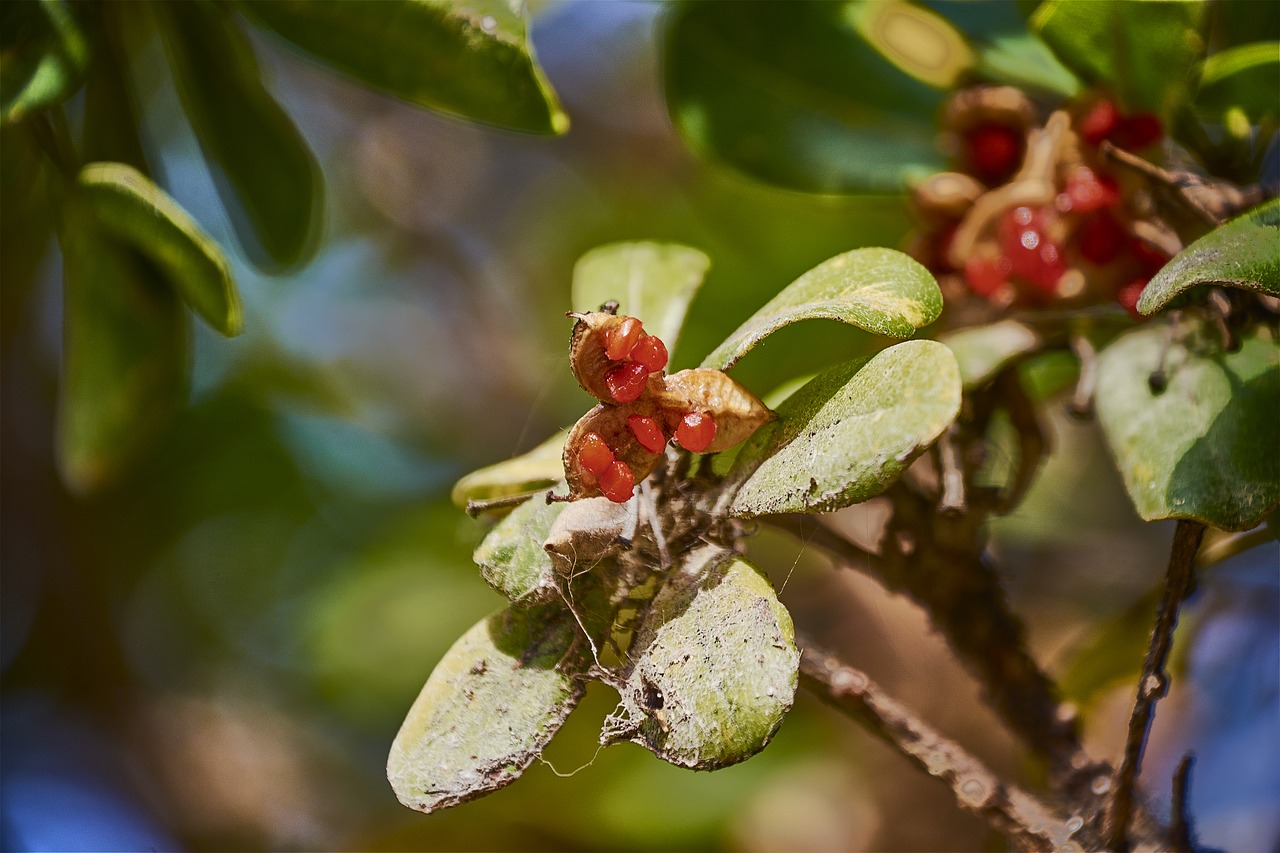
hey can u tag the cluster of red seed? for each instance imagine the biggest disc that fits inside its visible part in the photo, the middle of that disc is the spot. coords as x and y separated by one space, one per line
1037 216
639 353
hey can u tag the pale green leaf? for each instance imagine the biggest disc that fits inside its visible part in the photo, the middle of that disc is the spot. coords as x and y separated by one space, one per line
133 210
652 281
713 667
43 56
1205 447
880 290
471 58
849 434
1243 253
536 470
512 559
983 351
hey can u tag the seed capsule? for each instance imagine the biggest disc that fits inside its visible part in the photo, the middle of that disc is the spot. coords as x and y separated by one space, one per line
647 432
620 338
696 431
626 381
594 454
651 352
617 483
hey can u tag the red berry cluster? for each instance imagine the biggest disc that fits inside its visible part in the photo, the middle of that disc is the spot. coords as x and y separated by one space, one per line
641 354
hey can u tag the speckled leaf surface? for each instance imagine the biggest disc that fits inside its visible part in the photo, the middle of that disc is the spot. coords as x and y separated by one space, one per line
714 666
849 434
1204 448
652 281
492 703
880 290
511 558
983 351
538 469
1243 253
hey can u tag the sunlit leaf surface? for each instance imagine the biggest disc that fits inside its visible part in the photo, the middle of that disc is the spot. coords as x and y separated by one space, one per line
44 53
511 558
1246 77
538 469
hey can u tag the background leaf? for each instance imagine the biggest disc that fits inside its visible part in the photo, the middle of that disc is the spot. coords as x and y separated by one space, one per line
43 55
538 469
472 58
914 39
267 176
880 290
849 434
1243 77
1204 449
652 281
1243 253
790 93
1144 52
128 206
492 703
983 351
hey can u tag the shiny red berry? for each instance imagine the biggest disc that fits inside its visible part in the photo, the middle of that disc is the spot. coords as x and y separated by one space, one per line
1101 238
985 276
626 381
594 454
651 352
1138 131
1128 295
617 483
1033 257
621 337
1088 191
696 431
647 432
1100 122
994 152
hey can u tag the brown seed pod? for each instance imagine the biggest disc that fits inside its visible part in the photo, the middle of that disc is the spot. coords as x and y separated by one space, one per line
944 198
585 533
594 334
610 424
980 105
736 411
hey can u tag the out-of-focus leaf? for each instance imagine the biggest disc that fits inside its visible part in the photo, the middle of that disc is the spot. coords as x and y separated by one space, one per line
914 39
1204 448
124 355
110 112
471 58
790 93
1246 77
880 290
983 351
43 54
713 666
132 209
1143 52
652 281
538 469
267 176
1243 253
491 705
849 434
511 558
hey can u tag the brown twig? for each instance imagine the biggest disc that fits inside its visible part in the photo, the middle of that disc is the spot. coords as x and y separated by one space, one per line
1081 405
1181 833
952 501
1154 681
1010 810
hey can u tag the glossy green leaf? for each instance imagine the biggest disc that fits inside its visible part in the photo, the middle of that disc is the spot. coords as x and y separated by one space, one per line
43 55
1007 51
1204 448
880 290
652 281
267 176
1144 52
713 667
132 209
471 58
124 355
534 471
491 705
512 559
791 93
983 351
1245 77
850 433
1243 253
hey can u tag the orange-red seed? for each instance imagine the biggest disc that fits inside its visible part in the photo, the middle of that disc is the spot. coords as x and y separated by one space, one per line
696 431
648 433
594 454
620 338
626 381
617 483
651 352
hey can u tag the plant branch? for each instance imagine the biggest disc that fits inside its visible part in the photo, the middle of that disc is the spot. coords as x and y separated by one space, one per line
1008 809
1154 681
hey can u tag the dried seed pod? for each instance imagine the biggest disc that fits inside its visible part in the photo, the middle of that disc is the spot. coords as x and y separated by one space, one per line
737 412
985 105
609 424
601 344
944 198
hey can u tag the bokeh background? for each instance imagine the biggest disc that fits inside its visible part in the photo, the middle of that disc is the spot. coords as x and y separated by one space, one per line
216 653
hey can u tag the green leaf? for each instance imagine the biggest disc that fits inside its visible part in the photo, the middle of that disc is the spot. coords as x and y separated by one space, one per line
111 122
792 94
491 705
511 558
267 176
880 290
129 207
1243 77
1144 52
914 39
1204 448
1007 52
652 281
43 55
1243 253
124 355
471 58
713 668
534 471
850 433
983 351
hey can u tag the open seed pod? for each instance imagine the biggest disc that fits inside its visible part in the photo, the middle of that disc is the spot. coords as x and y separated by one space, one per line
737 412
612 357
605 430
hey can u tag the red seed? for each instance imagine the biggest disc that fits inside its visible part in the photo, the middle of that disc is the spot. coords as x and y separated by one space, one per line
1033 257
617 483
651 352
1138 131
994 152
1087 191
1102 238
594 454
1100 122
621 337
647 432
1128 295
696 431
986 276
626 381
